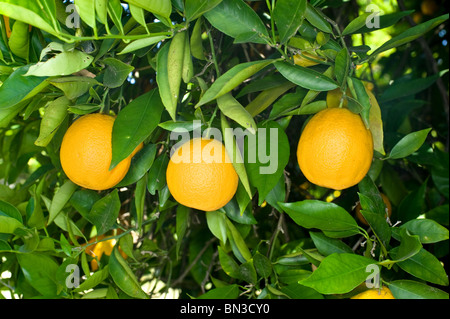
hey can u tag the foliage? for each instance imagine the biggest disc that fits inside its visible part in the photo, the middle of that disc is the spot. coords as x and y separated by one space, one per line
162 65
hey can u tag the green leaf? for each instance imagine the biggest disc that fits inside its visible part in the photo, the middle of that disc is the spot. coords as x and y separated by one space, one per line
321 215
140 164
175 59
94 280
115 10
124 277
105 211
19 41
8 210
139 15
195 8
86 10
39 271
236 19
228 264
288 16
216 222
18 87
266 156
409 246
182 220
409 144
327 246
55 113
157 174
410 34
356 24
64 63
409 289
359 91
305 77
342 66
428 230
402 89
267 97
116 72
74 86
29 12
227 292
339 273
60 199
134 124
231 79
231 108
247 272
139 200
297 291
162 78
196 45
159 7
385 21
8 224
262 265
238 244
424 265
316 19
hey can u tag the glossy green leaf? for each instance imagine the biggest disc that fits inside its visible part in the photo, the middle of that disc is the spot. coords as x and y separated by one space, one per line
305 77
316 19
227 292
94 280
321 215
410 34
115 10
142 43
116 72
105 211
216 222
86 10
182 222
175 59
236 19
9 224
60 199
101 11
288 16
228 264
428 230
266 156
124 277
234 153
74 86
162 78
385 21
140 164
339 273
18 87
8 210
27 11
196 45
231 79
265 99
195 8
409 144
159 7
39 271
238 244
134 124
342 66
157 174
231 108
139 15
55 113
64 63
247 272
262 265
327 246
359 92
409 289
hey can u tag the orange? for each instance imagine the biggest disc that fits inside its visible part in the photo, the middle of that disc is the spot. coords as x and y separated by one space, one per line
428 7
335 149
200 175
86 153
383 293
102 247
388 209
300 59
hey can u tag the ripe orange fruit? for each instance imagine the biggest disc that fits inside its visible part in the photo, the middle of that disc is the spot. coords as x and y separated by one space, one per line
299 59
200 175
86 153
388 209
102 247
428 7
383 293
335 149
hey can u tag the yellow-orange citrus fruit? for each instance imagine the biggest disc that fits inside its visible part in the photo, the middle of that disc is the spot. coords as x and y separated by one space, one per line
383 293
102 247
335 149
86 153
388 209
200 175
428 7
301 60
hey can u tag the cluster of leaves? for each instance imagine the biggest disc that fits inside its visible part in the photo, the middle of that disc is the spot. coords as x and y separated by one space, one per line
161 65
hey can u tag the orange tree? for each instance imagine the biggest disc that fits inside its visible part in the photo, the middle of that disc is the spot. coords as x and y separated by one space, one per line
161 68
